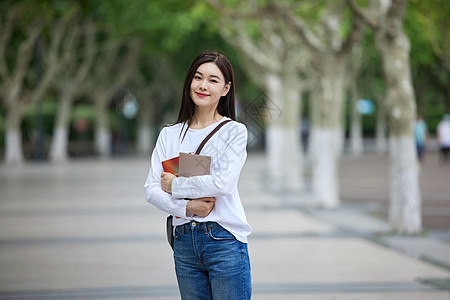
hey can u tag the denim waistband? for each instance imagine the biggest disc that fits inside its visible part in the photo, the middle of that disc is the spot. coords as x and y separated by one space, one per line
202 225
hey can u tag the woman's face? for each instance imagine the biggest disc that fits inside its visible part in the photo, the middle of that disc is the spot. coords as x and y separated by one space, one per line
208 85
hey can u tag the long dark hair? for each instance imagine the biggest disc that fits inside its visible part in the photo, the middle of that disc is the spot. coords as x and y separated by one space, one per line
225 106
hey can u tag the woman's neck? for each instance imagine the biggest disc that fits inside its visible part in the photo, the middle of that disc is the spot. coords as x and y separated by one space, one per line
202 120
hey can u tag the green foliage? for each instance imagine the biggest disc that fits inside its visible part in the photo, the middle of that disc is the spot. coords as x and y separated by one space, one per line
164 26
427 23
178 30
416 28
83 111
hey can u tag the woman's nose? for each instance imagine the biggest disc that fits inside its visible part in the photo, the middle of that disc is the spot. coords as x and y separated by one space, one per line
203 85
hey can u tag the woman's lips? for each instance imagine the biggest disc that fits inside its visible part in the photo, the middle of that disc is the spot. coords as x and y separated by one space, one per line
201 95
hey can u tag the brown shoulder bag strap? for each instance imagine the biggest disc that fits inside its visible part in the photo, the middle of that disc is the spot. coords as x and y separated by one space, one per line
210 135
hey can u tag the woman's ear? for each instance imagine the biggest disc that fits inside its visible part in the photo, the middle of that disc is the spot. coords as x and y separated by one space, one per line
226 89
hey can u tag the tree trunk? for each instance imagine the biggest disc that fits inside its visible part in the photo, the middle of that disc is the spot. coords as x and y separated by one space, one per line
292 120
59 146
282 136
405 205
394 46
13 143
381 140
102 129
145 136
275 137
324 162
326 134
356 136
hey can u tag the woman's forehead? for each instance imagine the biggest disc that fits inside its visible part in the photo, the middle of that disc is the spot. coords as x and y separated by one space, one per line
209 69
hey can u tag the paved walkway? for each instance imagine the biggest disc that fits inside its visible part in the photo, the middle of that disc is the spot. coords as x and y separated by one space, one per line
84 231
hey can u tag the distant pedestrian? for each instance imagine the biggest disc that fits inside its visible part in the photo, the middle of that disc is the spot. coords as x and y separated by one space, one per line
420 136
443 135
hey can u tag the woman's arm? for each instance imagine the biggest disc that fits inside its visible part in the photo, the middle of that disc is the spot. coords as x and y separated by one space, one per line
227 165
153 191
201 207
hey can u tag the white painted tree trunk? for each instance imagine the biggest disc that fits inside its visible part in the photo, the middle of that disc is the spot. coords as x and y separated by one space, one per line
102 130
381 140
326 134
283 137
59 146
405 205
60 140
356 136
394 47
275 136
14 151
325 143
292 120
103 141
284 161
145 142
13 142
145 136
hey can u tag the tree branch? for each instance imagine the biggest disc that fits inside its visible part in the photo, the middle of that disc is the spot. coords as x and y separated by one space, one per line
363 15
75 71
88 58
128 64
104 87
23 58
242 41
354 35
52 57
104 60
297 25
253 11
397 9
5 34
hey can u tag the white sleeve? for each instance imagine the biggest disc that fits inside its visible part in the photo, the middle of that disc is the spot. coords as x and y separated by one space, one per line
227 161
153 191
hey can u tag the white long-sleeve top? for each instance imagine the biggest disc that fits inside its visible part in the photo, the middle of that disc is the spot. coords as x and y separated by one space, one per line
227 147
443 130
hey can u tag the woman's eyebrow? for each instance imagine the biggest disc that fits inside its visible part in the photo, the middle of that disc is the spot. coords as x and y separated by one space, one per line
218 77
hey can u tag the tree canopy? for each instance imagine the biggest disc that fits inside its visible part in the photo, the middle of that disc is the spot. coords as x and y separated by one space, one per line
178 30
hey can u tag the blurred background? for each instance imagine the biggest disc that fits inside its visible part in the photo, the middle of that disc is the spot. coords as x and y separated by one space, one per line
339 98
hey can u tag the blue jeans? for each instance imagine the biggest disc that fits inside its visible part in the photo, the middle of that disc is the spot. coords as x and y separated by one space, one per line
210 263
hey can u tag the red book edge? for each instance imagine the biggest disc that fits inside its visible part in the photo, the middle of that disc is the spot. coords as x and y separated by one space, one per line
171 165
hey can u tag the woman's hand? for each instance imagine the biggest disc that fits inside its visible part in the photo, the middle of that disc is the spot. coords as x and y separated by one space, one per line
166 181
201 206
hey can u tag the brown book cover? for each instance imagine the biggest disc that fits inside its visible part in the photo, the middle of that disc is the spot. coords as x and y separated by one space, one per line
194 165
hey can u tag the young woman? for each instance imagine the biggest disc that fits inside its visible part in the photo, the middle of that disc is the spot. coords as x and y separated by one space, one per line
211 229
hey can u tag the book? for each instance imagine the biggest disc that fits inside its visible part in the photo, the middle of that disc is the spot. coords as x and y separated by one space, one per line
171 165
187 165
194 165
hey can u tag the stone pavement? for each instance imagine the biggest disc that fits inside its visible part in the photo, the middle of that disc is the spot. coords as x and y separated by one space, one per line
84 231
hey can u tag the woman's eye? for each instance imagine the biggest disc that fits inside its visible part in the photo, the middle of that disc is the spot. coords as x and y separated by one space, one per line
214 81
197 77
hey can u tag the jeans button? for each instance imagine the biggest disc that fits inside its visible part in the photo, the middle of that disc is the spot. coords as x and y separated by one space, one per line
194 224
